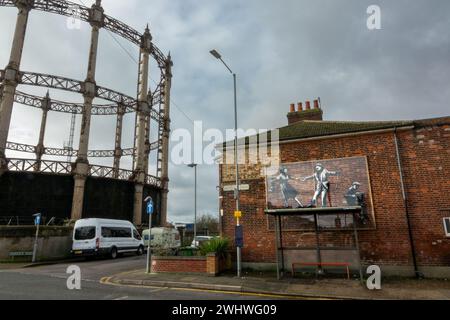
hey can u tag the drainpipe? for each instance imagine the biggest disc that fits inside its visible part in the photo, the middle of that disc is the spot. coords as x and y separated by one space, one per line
417 273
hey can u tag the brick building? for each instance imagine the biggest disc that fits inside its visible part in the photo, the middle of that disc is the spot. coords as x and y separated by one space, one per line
408 165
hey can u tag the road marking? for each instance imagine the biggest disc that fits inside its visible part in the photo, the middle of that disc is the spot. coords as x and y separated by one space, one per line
107 281
158 290
122 298
266 295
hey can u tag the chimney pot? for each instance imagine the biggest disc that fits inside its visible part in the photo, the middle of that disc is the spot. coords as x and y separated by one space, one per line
300 107
316 104
292 107
308 105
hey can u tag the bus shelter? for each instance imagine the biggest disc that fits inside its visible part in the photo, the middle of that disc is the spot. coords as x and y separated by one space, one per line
318 230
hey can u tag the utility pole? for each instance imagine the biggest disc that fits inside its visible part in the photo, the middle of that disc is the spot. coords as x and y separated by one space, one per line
193 165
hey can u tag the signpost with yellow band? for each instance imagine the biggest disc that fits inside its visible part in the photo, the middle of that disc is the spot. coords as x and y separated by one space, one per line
239 233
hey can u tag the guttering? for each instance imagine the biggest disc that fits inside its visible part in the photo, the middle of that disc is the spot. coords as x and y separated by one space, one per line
417 273
333 136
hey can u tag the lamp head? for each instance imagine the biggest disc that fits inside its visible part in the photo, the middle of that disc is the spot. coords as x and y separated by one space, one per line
215 54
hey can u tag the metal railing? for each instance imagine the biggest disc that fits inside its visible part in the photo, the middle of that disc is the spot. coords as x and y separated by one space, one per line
66 168
29 221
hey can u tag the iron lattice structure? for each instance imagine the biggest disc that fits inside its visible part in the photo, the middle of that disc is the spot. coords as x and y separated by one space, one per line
149 105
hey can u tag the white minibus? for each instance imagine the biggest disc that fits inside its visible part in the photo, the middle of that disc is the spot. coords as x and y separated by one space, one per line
105 237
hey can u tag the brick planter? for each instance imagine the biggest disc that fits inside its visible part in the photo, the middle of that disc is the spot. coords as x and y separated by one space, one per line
179 264
211 264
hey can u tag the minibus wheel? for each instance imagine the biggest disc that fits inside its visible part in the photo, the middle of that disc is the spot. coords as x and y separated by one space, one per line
113 253
140 251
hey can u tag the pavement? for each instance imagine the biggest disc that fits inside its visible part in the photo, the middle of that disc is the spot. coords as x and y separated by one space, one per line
267 285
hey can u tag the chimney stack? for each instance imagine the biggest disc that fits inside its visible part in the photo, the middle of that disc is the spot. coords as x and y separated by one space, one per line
308 105
305 114
292 107
316 104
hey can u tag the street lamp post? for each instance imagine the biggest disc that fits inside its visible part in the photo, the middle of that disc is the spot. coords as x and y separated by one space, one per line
194 165
217 55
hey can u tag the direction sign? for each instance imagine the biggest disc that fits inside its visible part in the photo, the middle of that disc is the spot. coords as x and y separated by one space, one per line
150 207
37 219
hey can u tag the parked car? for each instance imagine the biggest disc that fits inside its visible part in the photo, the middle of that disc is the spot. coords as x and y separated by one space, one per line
199 240
104 237
163 238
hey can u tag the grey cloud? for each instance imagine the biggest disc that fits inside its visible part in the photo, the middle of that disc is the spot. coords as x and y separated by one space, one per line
283 52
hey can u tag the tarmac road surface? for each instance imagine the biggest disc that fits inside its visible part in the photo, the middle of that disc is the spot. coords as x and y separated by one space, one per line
50 283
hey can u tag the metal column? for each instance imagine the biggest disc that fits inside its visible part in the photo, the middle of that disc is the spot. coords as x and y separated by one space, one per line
96 19
118 140
278 245
11 76
165 141
40 149
142 116
319 255
355 232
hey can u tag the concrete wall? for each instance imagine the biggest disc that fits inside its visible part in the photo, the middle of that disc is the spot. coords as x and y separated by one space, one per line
54 242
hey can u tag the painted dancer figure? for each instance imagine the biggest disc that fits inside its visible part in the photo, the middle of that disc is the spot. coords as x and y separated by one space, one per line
321 179
355 197
288 192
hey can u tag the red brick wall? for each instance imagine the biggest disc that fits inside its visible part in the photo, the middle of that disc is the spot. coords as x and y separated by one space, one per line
179 265
426 166
426 161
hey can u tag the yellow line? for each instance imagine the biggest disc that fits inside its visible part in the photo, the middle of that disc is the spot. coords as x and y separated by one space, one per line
267 295
107 281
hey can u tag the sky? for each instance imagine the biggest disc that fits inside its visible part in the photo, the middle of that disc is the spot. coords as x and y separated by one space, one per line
282 52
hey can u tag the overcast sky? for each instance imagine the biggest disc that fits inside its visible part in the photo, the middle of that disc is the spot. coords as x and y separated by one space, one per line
283 52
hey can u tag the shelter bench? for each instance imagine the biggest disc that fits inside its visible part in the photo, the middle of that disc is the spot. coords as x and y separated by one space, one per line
15 254
322 264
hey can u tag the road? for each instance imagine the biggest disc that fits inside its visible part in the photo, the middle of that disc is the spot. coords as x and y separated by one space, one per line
49 283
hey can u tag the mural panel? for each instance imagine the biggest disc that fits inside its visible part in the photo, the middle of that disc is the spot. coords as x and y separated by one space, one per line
341 182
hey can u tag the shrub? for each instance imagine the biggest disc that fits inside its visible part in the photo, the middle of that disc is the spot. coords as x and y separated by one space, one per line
218 246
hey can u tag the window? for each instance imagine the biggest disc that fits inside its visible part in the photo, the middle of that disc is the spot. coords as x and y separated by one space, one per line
136 235
85 233
447 227
114 232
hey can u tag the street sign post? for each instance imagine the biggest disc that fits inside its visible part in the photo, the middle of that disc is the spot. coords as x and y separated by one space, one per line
150 209
37 222
239 236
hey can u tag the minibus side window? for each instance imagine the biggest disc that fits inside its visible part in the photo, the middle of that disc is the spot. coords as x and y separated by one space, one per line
106 232
85 233
114 232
